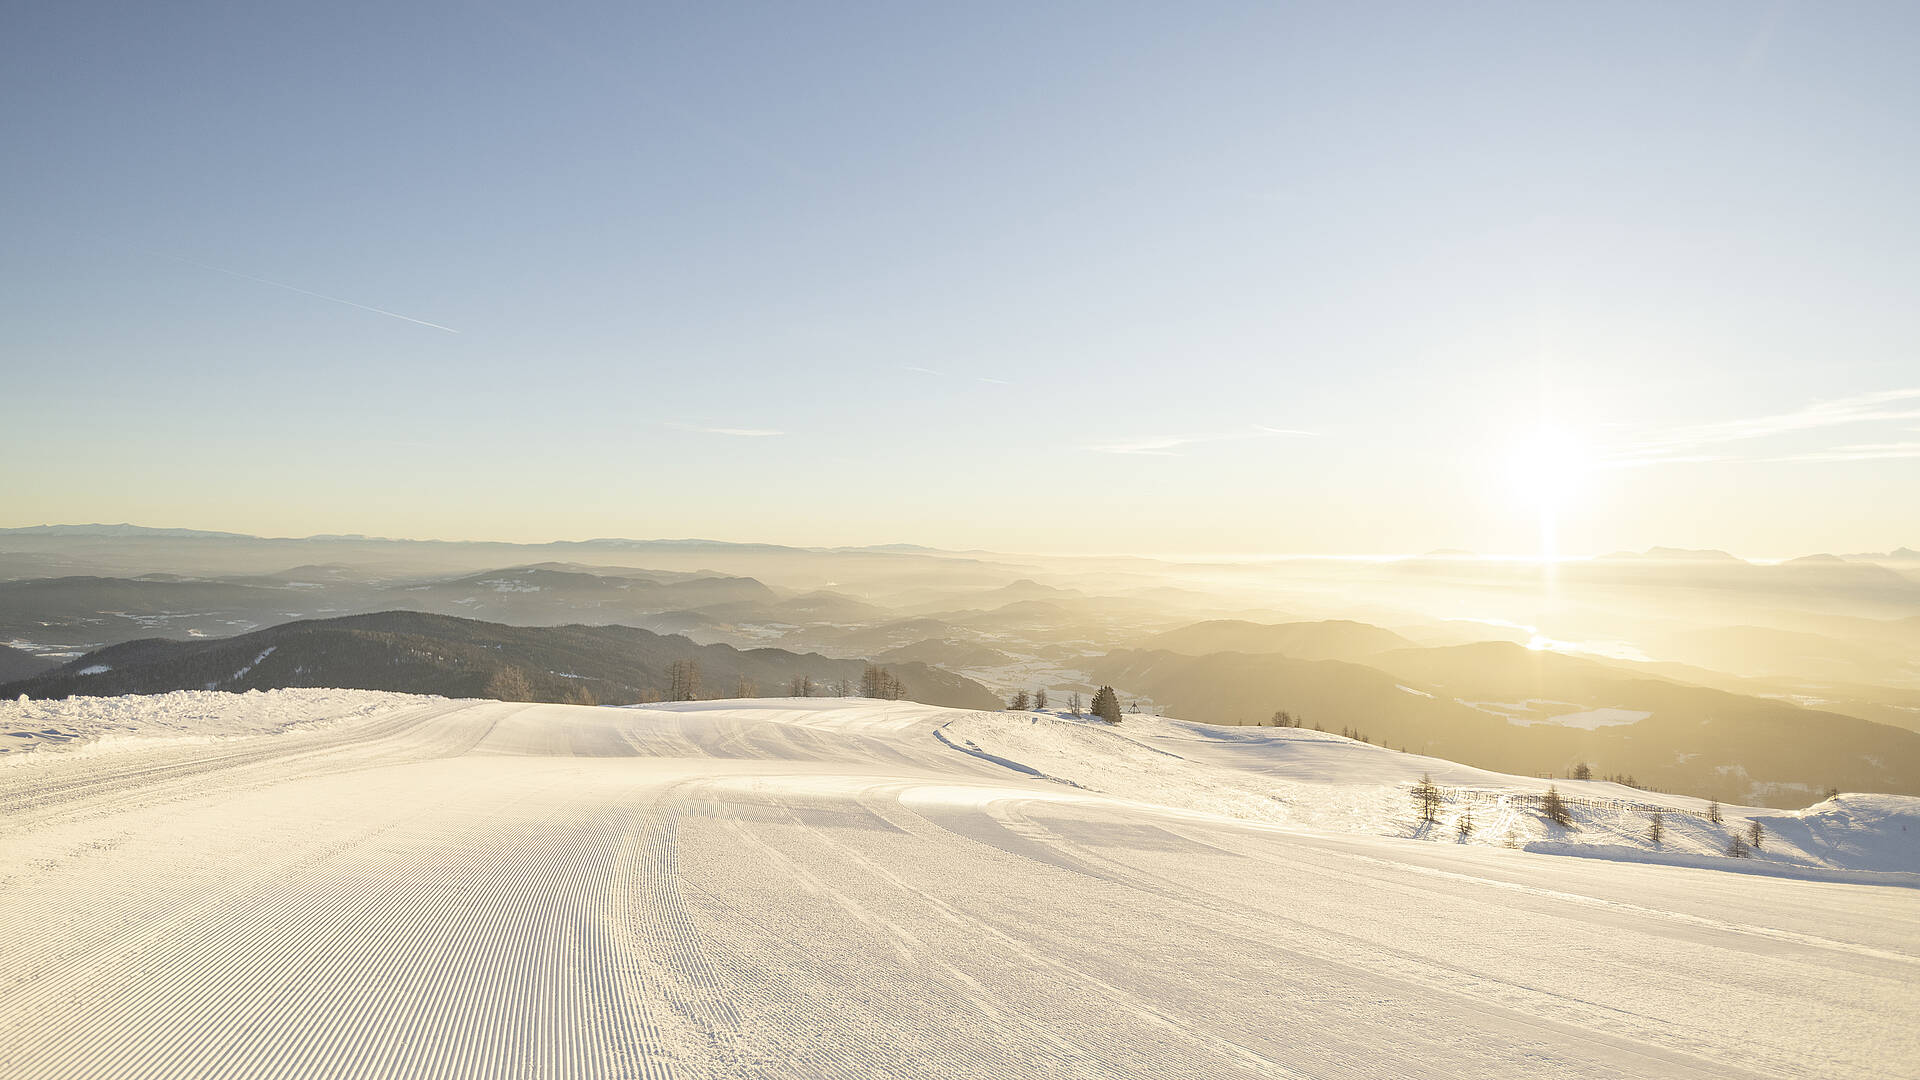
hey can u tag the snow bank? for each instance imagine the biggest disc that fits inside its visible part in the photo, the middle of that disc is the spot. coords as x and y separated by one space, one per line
106 722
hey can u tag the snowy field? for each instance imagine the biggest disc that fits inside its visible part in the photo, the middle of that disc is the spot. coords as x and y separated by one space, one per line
324 883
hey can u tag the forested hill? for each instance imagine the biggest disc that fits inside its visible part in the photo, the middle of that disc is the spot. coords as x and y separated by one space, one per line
420 653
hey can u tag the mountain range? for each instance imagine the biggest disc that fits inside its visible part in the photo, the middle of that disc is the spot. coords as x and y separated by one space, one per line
422 653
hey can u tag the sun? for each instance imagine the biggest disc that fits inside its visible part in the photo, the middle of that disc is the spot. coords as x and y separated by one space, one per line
1547 468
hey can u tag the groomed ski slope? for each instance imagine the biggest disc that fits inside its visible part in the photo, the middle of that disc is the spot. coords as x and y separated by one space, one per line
435 888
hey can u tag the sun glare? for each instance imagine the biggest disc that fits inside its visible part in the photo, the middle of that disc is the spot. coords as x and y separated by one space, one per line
1547 469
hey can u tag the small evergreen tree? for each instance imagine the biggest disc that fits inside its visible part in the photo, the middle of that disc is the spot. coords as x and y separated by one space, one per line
1755 831
1657 828
1019 701
1426 798
1040 699
1555 808
1466 824
1582 771
1713 812
1283 718
1737 847
1106 705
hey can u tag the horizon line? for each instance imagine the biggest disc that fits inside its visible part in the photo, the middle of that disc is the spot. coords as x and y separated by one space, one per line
1439 554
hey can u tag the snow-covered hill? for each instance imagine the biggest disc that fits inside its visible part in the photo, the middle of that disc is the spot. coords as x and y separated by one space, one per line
310 883
1317 780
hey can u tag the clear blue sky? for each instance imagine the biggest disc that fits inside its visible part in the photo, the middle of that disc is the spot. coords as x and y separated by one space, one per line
1046 278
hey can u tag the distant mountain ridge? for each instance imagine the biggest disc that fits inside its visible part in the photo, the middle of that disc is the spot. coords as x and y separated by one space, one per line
124 530
417 652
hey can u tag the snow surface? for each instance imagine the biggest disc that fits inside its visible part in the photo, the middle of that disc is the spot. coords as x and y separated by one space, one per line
202 715
330 883
1327 782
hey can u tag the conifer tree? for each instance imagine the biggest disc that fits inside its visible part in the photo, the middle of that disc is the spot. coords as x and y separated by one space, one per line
1073 703
1737 847
1713 812
1106 705
1040 699
1466 824
1426 798
1555 808
1755 831
1657 828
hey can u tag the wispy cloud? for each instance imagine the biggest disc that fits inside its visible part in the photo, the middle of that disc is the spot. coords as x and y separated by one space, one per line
1859 452
736 432
1170 445
1716 441
315 295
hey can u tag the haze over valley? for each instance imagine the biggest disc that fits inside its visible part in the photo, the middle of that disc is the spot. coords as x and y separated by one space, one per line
1692 672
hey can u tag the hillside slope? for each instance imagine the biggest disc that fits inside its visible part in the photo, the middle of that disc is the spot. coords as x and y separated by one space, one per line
1501 706
17 664
1330 639
420 653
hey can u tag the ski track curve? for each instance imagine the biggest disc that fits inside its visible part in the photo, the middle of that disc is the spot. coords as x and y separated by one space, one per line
494 890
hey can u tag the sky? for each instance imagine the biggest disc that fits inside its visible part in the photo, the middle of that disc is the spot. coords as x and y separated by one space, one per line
1199 278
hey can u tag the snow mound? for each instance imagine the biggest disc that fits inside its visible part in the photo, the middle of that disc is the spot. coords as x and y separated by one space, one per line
104 723
1859 832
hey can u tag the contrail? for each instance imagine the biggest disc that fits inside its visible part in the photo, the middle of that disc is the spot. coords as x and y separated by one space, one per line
310 292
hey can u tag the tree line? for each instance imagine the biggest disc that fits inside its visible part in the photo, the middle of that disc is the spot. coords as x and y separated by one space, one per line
1105 706
685 682
1428 798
